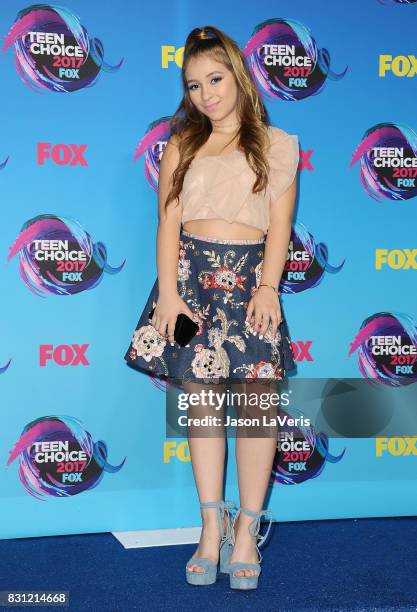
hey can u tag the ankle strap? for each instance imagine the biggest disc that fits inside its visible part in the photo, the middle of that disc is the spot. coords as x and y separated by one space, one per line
255 525
223 507
217 504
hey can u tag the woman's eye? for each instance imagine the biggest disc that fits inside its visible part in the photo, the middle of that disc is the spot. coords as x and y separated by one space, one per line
215 79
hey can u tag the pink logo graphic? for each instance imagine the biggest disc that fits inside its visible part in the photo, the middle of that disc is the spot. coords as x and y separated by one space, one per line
152 146
284 59
387 349
62 154
306 262
301 451
387 155
57 256
53 50
58 458
301 350
63 354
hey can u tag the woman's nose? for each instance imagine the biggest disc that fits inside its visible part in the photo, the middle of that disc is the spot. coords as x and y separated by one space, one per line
206 94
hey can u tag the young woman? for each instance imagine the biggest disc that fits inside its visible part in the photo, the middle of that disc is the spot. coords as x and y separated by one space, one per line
228 178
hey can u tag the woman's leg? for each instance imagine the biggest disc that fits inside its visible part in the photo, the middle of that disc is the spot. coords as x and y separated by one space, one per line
255 452
207 451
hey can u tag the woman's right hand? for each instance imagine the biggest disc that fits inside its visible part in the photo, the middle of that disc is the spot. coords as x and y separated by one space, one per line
167 309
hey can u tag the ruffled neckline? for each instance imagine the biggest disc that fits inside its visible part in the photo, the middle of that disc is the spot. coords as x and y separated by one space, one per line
221 155
199 159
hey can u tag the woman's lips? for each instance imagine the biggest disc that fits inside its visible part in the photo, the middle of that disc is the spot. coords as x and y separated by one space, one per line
211 106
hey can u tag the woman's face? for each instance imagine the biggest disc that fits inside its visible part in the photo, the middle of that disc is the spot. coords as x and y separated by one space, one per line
212 87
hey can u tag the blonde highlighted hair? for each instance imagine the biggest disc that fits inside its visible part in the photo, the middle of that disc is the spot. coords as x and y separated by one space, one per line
193 128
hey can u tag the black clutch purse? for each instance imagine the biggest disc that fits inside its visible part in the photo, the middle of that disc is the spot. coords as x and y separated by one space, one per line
185 328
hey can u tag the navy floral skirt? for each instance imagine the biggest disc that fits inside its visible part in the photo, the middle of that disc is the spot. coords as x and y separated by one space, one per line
216 278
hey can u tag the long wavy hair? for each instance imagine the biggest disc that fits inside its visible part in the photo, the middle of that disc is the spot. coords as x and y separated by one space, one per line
193 128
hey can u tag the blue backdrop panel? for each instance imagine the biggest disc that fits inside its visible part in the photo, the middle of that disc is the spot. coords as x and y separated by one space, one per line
77 422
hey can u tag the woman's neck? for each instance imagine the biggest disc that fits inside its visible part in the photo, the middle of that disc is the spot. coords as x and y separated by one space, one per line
228 125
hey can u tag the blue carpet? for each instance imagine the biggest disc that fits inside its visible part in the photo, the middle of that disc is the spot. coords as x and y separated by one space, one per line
326 566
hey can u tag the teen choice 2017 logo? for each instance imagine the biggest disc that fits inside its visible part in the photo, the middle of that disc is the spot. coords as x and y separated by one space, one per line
57 256
54 51
388 162
58 458
301 452
307 261
152 146
387 349
284 59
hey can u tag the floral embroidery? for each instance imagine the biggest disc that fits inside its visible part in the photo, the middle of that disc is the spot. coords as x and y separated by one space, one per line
184 266
258 275
200 314
210 363
262 369
216 283
214 362
226 276
148 343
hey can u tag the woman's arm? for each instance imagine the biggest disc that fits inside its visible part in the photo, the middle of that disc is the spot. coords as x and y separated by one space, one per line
278 238
265 302
169 223
169 304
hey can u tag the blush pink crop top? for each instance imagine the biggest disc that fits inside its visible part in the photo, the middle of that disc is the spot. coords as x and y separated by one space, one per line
220 186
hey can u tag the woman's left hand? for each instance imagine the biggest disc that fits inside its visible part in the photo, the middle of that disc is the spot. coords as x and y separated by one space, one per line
264 307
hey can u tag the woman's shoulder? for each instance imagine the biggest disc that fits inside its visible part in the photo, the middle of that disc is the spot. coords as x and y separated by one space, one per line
177 137
278 135
174 139
170 156
283 158
282 145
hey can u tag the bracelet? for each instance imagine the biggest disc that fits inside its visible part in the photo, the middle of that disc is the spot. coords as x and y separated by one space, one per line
272 287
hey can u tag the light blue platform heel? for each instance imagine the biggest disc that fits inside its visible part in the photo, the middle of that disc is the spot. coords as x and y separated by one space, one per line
249 582
209 575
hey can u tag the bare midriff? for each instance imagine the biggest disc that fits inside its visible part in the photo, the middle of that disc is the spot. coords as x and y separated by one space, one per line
218 228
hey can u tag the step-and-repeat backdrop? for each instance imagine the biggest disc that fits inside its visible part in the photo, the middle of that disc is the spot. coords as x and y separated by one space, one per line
87 92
